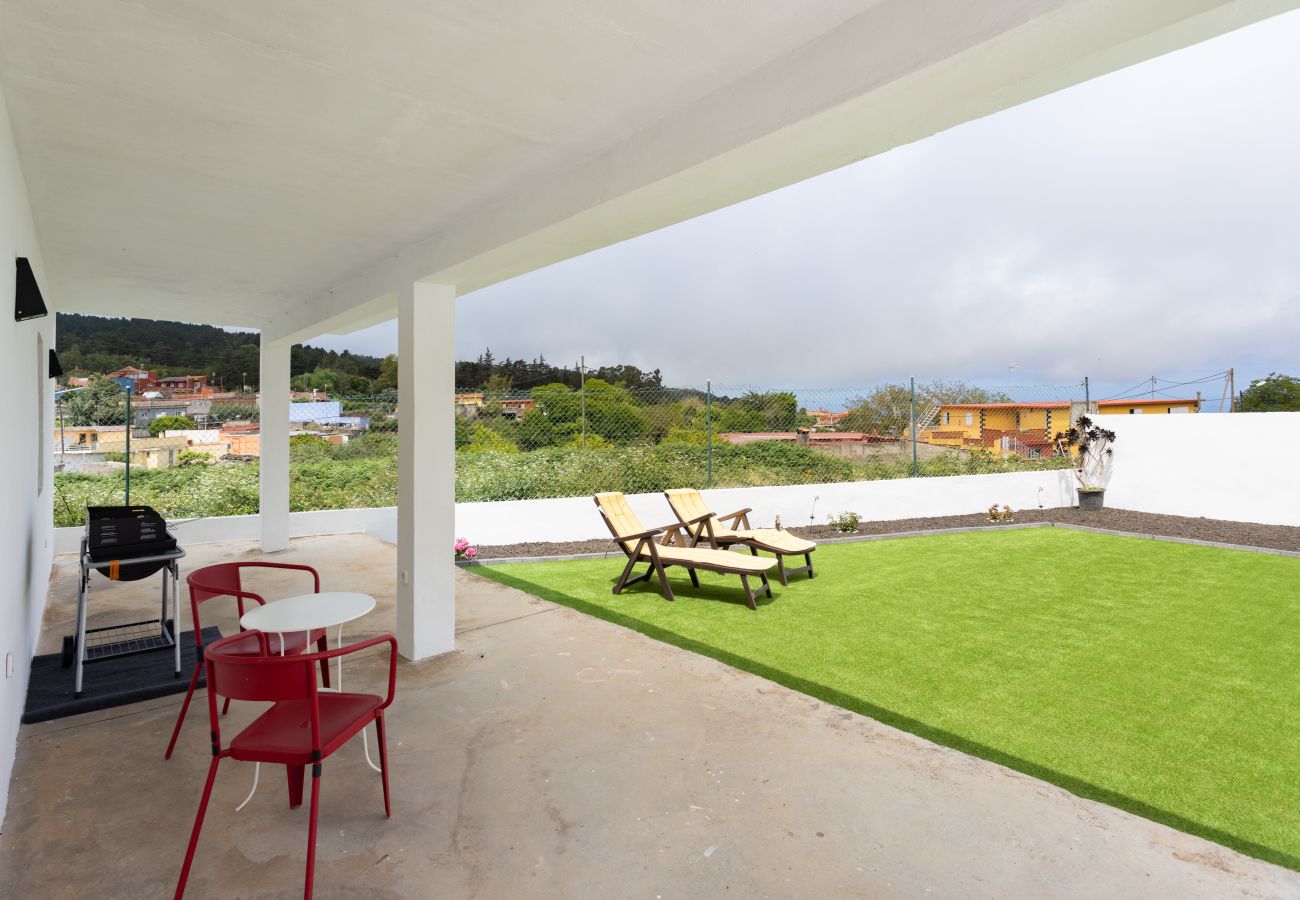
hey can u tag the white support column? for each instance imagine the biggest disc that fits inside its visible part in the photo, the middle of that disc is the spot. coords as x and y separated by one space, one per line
426 470
273 384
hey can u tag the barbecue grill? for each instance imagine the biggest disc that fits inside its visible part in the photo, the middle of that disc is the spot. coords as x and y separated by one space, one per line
125 543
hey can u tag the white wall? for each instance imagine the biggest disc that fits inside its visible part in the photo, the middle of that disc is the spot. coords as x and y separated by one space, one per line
576 518
25 489
380 521
1240 467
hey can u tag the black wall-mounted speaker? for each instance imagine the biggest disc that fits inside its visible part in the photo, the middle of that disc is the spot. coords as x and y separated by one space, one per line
28 302
55 368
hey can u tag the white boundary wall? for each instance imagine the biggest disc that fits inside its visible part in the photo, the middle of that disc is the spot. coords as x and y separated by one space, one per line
575 518
1242 467
1216 466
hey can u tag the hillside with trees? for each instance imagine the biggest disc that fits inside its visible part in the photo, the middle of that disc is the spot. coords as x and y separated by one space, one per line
94 345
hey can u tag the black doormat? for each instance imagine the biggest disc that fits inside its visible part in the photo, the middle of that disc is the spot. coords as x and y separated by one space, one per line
113 682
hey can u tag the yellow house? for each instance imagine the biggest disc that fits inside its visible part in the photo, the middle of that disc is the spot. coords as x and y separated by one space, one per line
1147 406
1027 429
1004 429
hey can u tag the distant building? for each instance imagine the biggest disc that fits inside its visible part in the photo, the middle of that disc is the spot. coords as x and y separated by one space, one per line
184 384
139 379
1027 429
824 419
468 405
514 408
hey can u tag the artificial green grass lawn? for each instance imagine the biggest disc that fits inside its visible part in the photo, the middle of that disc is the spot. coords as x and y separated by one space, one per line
1158 677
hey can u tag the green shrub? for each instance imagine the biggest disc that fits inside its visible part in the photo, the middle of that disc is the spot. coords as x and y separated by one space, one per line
169 423
193 458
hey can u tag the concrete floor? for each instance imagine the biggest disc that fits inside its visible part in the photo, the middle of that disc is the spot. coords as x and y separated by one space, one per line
556 755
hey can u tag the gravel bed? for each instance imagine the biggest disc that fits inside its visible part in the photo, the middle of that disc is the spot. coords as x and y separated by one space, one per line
1248 534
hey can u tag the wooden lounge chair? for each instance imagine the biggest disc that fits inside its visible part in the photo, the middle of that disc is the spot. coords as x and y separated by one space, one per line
703 524
639 545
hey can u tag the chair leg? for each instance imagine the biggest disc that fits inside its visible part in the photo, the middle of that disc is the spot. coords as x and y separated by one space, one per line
383 759
623 577
749 595
311 831
295 775
322 645
664 587
185 707
780 570
198 826
695 579
225 707
808 559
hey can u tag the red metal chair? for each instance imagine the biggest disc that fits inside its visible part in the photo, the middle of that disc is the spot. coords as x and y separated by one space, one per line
222 580
303 727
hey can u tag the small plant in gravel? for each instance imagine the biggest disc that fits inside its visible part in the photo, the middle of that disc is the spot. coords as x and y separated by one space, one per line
464 550
845 522
1001 513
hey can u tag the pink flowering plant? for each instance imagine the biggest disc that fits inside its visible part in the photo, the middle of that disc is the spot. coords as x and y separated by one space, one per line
464 550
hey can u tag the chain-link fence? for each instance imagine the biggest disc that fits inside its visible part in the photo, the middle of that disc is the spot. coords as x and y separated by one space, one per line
557 441
198 456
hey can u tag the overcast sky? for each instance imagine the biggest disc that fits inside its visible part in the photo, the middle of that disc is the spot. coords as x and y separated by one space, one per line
1144 223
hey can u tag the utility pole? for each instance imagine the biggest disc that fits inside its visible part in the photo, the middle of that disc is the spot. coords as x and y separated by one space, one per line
915 470
1153 387
129 391
1010 369
708 427
582 394
1232 391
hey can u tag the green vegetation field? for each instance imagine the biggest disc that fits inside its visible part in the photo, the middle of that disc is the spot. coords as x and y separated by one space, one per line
363 473
1154 676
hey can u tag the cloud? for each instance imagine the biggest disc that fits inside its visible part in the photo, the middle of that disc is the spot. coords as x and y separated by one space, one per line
1144 222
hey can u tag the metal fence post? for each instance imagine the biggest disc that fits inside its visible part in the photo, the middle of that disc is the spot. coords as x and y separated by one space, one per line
915 467
582 396
708 428
1087 396
129 391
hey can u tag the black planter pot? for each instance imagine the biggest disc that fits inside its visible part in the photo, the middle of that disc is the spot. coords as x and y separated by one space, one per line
1091 499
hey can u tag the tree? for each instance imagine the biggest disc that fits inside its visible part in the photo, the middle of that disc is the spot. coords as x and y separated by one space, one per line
535 431
887 409
102 402
1273 393
497 386
779 409
387 379
169 423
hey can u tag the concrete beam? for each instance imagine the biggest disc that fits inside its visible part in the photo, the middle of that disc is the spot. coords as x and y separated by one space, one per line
426 470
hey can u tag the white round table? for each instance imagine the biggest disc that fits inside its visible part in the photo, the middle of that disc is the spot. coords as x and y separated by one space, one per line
307 613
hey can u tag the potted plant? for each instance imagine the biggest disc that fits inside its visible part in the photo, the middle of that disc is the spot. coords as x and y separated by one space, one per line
1089 445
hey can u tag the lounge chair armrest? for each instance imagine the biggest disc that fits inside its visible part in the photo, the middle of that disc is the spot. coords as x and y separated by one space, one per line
737 515
698 519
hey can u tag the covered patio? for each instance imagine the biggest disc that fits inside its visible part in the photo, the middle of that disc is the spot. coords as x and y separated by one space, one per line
556 755
326 167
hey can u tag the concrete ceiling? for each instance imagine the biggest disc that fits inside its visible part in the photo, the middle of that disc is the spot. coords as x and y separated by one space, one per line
287 165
